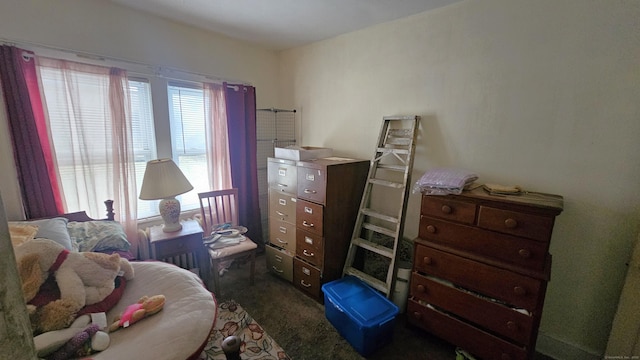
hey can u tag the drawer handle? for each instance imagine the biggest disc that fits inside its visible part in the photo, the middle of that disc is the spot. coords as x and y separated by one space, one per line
511 223
305 223
525 253
280 213
421 288
519 290
282 185
417 315
281 242
278 258
426 260
308 253
511 325
446 209
309 191
277 270
304 284
431 229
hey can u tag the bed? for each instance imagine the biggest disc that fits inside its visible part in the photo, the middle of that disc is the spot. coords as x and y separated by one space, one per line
179 331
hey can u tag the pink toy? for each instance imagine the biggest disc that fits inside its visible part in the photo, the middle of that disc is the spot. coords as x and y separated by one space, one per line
146 306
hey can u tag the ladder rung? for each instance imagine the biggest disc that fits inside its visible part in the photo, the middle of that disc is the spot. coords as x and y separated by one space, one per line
373 247
379 229
393 151
410 117
375 283
387 183
378 215
401 168
405 133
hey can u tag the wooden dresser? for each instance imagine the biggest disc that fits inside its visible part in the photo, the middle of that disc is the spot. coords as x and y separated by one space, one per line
480 270
313 205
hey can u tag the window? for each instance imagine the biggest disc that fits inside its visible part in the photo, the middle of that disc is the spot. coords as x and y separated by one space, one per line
94 109
144 140
188 143
79 108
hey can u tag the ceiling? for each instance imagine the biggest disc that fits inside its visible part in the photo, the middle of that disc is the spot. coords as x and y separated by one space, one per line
283 24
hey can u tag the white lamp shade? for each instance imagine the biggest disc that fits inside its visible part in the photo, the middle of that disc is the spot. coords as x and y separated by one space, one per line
163 179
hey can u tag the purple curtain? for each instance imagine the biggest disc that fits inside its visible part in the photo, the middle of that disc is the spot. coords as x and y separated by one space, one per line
31 148
241 120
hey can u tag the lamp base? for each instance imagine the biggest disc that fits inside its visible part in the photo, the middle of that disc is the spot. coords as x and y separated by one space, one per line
170 212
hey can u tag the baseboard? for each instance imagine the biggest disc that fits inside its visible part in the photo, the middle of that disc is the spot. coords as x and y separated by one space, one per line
561 350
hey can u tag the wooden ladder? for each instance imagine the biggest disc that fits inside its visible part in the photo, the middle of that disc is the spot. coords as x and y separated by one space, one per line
380 222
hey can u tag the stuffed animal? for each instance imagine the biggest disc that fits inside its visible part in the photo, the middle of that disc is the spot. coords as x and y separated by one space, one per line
145 307
66 340
84 278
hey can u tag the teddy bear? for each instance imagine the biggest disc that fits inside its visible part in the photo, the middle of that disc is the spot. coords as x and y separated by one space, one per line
83 278
145 307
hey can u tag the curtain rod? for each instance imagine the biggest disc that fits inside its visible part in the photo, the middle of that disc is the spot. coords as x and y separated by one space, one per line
158 70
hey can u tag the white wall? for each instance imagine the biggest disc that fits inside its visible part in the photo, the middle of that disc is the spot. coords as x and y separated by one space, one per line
103 28
543 94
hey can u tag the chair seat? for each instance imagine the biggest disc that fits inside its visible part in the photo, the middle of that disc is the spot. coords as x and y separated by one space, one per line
243 246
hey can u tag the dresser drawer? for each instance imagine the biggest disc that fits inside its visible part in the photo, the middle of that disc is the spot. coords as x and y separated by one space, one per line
283 175
282 206
309 247
279 262
309 216
531 226
503 285
283 235
464 335
306 278
522 252
445 208
312 184
487 314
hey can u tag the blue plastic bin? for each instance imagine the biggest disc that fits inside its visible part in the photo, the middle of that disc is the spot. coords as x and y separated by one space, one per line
362 316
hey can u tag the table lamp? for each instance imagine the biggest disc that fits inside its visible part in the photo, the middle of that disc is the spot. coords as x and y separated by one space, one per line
164 180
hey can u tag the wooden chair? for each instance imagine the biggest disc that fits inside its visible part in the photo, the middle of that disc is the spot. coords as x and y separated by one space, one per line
219 207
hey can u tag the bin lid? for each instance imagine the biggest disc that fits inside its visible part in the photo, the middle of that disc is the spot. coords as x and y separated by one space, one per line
363 304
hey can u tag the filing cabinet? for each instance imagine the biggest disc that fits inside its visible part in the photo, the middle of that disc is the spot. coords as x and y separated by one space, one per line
317 230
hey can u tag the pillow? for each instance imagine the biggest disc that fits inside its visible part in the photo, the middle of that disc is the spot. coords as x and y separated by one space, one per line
98 235
21 233
443 181
54 229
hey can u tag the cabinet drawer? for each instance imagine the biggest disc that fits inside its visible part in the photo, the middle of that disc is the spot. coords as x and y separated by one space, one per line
282 234
312 184
487 314
464 335
279 263
309 247
520 224
309 216
514 250
283 175
282 206
306 278
445 208
503 285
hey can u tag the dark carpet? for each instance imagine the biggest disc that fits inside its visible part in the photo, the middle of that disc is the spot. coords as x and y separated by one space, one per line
298 323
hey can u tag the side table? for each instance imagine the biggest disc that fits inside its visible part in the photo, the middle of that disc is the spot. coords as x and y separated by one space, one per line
184 241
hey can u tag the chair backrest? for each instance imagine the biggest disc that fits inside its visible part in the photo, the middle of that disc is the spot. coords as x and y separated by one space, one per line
218 207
